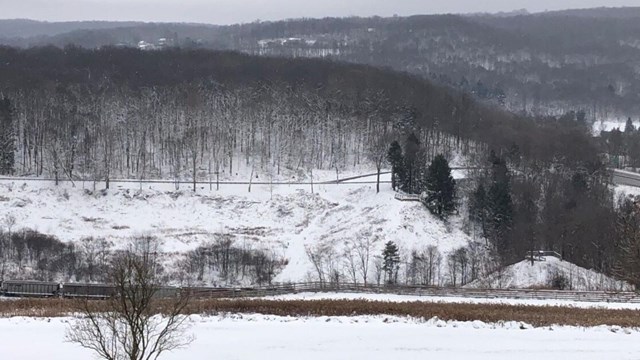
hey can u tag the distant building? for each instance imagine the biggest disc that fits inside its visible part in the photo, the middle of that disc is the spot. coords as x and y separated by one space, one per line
143 45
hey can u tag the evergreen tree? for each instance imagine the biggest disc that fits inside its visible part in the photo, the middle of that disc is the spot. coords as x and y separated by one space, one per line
581 117
411 150
7 139
616 145
391 261
441 188
396 159
630 143
500 205
478 208
629 128
634 149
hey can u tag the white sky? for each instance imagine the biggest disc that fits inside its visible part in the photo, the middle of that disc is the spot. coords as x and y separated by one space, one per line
236 11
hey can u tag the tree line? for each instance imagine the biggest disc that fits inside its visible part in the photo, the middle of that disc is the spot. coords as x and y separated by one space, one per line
31 255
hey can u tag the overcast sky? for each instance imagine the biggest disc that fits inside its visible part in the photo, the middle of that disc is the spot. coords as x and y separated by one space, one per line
236 11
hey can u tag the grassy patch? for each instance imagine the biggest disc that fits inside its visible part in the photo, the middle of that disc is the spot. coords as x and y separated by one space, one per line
491 313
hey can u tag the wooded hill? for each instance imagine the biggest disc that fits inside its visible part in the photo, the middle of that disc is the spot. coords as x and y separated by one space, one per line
124 107
549 63
24 28
177 114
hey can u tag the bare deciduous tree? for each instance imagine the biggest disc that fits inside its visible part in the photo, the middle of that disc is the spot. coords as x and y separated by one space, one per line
628 265
364 245
9 222
137 323
323 257
350 262
377 154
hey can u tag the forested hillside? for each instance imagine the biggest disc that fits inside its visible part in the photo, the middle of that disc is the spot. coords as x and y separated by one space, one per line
23 28
138 114
543 64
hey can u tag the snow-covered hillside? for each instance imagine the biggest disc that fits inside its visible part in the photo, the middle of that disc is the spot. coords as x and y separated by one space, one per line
623 190
542 274
281 219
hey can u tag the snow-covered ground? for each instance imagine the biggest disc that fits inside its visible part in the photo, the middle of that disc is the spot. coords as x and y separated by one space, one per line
540 275
262 337
624 190
282 219
610 124
452 299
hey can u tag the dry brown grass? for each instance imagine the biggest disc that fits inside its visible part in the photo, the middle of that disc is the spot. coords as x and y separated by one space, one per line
534 315
37 307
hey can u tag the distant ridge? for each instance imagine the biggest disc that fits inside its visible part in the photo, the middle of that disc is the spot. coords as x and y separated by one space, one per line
588 58
23 28
601 12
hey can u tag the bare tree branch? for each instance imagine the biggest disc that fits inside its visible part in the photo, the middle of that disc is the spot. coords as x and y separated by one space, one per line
137 323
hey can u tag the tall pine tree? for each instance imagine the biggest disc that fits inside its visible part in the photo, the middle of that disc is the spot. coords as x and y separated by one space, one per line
396 159
441 188
7 139
500 205
391 261
629 128
411 155
478 208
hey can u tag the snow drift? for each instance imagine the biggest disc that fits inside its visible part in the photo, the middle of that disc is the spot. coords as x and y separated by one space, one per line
550 272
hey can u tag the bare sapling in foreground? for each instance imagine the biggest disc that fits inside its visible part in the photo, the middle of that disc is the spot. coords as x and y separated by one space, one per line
138 324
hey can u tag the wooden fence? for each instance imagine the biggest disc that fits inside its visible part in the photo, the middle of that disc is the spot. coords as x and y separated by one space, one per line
10 288
527 294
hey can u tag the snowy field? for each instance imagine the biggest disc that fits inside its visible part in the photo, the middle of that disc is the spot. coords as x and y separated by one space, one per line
262 337
452 299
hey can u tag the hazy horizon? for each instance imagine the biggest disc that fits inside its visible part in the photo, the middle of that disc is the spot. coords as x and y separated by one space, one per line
225 12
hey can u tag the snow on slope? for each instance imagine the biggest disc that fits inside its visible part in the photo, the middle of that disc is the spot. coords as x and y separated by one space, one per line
250 337
624 190
540 274
610 124
282 219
